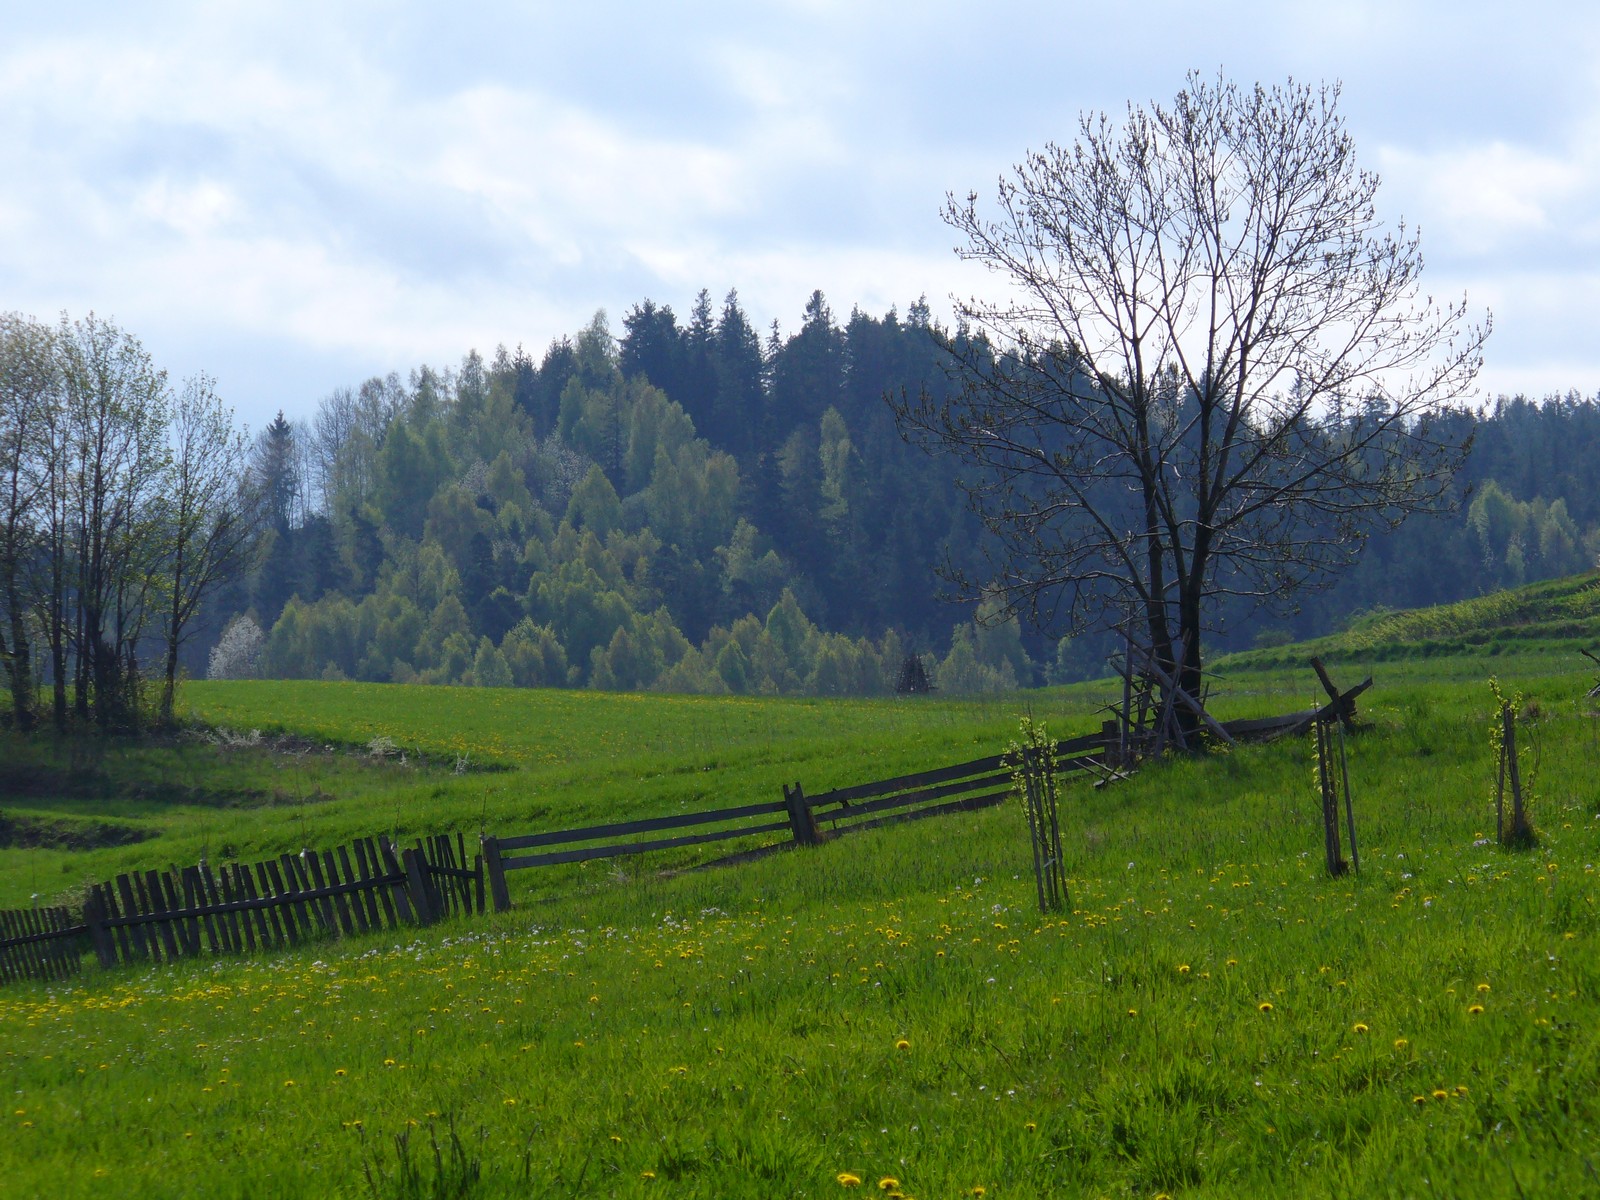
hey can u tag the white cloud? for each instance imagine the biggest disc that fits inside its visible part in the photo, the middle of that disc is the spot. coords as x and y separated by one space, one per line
313 189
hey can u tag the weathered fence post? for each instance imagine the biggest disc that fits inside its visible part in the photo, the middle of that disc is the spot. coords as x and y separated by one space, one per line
801 819
94 918
1111 733
497 874
417 886
1330 800
1521 831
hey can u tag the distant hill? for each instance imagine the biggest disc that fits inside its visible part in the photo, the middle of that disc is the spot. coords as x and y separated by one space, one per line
1554 615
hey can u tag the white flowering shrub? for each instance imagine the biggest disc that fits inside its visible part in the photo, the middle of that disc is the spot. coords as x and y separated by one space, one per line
237 654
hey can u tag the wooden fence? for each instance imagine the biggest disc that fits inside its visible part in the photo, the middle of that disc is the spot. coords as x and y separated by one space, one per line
161 916
39 943
800 818
153 916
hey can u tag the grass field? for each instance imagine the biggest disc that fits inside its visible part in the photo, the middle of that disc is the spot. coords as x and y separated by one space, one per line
1214 1016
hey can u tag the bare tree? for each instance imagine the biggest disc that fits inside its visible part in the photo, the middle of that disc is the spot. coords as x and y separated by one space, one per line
30 385
1212 372
206 516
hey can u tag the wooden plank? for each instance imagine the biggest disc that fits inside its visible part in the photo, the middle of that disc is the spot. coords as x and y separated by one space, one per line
94 914
309 874
37 947
648 825
126 940
965 804
495 867
594 852
121 949
325 875
132 893
1254 725
882 787
436 896
158 907
358 898
294 877
924 796
243 932
227 922
16 925
266 924
399 891
187 930
194 885
261 888
435 855
367 859
417 887
11 928
284 907
9 971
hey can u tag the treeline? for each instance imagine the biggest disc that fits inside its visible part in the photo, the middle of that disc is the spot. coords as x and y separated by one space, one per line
1527 509
695 507
121 507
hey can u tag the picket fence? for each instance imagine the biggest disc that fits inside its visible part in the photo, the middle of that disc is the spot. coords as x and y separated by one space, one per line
162 916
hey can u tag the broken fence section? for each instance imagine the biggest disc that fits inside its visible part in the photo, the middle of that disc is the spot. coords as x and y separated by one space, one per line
162 916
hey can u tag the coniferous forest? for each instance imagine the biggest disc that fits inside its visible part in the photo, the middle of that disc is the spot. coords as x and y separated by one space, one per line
695 505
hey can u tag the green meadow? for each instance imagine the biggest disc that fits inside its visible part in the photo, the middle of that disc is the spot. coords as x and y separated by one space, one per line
889 1013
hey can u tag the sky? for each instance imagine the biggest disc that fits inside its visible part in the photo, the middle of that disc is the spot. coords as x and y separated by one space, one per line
294 197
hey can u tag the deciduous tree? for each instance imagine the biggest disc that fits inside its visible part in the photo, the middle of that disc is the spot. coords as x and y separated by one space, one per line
1210 370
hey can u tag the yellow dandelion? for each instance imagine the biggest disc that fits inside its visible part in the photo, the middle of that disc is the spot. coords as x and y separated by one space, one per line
1133 1012
647 1174
1360 1027
1461 1089
888 1183
1401 1043
388 1062
1265 1006
509 1102
1474 1009
902 1044
288 1083
1440 1094
979 1190
1419 1099
594 999
1483 987
1031 1126
1233 962
847 1179
338 1072
616 1138
1183 968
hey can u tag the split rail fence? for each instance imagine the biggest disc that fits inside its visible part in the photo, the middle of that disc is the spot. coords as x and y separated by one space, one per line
802 820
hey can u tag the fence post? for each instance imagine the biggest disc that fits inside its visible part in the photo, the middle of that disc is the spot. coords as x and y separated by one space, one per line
1111 736
497 874
94 917
801 819
417 886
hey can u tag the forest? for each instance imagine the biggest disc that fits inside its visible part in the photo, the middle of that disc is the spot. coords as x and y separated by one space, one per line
693 506
684 505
